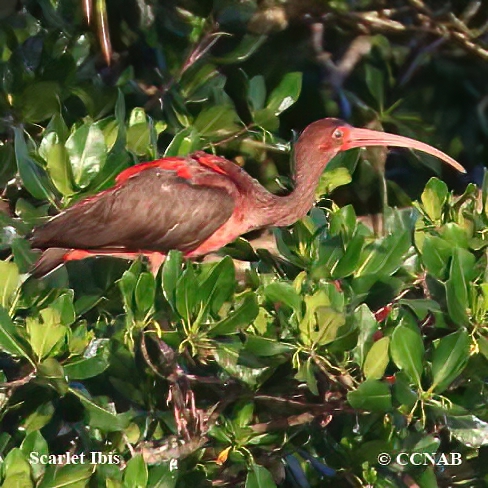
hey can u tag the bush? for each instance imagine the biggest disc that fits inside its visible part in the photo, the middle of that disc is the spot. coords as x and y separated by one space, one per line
325 363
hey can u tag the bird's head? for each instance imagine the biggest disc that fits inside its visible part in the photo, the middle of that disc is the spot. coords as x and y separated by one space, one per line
331 136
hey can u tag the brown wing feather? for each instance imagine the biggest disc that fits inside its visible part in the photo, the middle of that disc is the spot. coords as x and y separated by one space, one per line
154 210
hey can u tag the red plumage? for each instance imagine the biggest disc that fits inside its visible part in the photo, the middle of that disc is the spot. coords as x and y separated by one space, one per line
196 204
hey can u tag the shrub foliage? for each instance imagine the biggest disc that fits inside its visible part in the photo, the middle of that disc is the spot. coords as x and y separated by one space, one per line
342 349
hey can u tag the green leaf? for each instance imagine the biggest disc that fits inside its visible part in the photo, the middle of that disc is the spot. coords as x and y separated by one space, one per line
34 178
468 429
216 121
266 119
9 282
367 326
94 362
321 322
65 308
53 151
371 395
306 373
34 442
384 256
100 417
349 261
450 356
186 294
433 198
145 292
51 372
436 253
407 351
69 476
286 93
259 477
262 346
377 359
16 470
461 272
285 294
45 333
257 92
136 474
375 84
218 286
40 101
246 48
88 153
41 416
170 275
241 317
9 338
332 179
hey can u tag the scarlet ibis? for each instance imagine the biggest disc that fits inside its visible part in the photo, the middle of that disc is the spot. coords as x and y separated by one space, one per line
198 203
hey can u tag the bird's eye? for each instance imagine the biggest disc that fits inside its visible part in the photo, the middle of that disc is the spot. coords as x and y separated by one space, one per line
338 134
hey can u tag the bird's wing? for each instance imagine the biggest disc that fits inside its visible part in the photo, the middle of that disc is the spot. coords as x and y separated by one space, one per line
151 209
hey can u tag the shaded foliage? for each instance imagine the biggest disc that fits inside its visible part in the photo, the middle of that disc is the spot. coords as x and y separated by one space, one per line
302 370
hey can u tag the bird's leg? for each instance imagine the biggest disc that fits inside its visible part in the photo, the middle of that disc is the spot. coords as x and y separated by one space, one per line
156 259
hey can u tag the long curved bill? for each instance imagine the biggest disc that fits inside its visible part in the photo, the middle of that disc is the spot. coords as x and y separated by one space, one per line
364 137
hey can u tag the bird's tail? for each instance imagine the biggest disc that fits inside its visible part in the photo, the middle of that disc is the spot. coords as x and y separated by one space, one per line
50 259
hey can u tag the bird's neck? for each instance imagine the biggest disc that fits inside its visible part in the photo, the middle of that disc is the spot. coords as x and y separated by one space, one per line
295 205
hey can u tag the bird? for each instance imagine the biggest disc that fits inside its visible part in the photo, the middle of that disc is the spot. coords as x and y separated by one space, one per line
197 203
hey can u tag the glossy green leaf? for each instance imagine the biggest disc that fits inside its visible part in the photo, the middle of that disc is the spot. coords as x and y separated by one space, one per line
371 395
306 373
170 276
407 351
286 93
40 101
95 361
450 356
218 286
40 417
377 359
246 48
349 261
367 326
285 294
16 470
9 282
45 333
468 429
375 84
69 476
262 346
435 255
266 119
10 341
384 256
216 121
240 318
87 152
434 197
101 417
257 92
34 442
144 292
136 474
259 477
332 179
461 271
34 178
186 294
